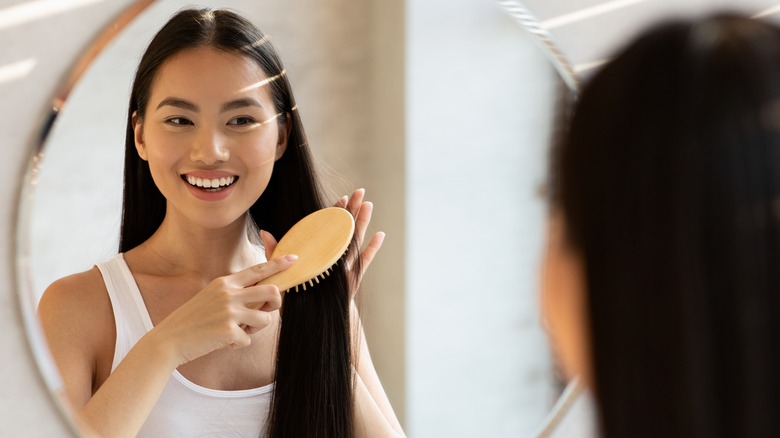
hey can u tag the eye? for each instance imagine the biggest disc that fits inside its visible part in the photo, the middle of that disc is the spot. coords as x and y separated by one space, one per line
241 121
178 121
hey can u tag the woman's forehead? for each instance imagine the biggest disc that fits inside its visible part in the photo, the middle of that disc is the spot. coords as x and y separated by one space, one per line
206 73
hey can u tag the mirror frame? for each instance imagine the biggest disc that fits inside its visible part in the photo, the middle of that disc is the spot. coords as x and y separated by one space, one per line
20 255
573 394
21 227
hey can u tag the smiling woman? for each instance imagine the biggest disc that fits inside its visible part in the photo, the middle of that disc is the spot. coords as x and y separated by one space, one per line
143 340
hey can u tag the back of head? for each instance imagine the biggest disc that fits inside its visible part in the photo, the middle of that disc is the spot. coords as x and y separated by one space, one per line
669 184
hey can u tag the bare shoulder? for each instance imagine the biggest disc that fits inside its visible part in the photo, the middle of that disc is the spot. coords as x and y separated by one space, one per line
79 298
77 308
77 319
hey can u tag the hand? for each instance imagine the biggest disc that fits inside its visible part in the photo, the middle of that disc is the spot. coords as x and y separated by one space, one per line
214 317
361 211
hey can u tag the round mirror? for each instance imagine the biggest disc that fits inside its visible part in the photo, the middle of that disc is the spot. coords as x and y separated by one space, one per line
444 113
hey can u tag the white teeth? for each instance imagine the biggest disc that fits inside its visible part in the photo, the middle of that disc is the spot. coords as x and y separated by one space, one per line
213 183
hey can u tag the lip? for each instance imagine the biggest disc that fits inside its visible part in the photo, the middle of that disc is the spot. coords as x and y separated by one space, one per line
208 174
205 195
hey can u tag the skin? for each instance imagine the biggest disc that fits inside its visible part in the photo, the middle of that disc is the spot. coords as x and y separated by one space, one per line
197 272
564 307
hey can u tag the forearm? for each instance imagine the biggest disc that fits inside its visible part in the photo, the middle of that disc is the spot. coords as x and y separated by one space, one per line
123 402
367 381
370 421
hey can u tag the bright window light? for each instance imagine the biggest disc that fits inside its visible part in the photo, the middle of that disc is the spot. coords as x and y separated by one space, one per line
584 14
36 9
17 70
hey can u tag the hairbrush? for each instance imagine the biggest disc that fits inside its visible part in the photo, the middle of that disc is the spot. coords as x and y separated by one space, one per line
319 240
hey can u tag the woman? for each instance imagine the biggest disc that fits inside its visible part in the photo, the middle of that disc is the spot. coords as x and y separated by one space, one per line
662 278
151 343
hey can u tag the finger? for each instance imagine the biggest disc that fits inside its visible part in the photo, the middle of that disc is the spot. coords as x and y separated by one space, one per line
240 338
254 320
269 242
367 256
254 274
362 220
342 202
355 201
265 296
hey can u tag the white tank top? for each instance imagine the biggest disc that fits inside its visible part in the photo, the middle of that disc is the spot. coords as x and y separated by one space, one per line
184 408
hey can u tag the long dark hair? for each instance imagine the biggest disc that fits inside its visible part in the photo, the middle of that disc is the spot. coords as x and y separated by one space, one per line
669 185
313 377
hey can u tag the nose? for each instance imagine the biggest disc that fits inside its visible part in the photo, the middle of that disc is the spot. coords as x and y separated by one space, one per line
209 147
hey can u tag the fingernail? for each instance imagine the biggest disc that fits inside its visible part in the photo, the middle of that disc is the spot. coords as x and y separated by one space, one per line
291 257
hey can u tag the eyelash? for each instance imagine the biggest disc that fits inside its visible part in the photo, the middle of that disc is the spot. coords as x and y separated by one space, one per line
183 121
178 121
247 121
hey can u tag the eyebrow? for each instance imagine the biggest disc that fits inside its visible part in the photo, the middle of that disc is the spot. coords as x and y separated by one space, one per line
189 106
240 103
178 103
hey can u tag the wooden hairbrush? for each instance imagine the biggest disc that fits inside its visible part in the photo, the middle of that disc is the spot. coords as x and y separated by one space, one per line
319 240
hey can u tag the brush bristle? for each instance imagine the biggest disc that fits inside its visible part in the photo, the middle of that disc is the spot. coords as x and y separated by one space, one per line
302 286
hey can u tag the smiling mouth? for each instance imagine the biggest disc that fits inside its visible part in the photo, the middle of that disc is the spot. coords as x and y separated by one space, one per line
210 185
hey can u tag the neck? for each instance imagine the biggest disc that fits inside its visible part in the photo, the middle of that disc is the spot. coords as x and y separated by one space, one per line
180 248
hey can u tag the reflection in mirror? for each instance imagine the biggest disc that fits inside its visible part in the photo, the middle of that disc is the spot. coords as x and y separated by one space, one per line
459 190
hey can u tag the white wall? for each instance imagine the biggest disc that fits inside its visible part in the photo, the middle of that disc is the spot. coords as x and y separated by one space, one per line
478 109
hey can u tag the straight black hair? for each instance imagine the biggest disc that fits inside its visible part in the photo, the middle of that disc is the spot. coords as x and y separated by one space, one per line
313 394
669 184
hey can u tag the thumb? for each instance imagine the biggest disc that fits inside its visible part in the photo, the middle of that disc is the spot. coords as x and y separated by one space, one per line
269 242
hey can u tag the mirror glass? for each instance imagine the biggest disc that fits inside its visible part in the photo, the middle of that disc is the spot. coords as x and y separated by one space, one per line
452 155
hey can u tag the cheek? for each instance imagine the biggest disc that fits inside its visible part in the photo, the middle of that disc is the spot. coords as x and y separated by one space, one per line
260 156
563 304
550 289
262 160
161 148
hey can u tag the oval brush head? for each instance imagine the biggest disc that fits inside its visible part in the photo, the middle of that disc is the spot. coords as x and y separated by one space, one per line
319 240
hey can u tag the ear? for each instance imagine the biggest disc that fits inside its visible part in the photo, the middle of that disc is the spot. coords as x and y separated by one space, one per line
138 129
284 136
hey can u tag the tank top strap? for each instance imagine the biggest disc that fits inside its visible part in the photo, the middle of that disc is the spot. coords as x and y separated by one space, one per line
130 315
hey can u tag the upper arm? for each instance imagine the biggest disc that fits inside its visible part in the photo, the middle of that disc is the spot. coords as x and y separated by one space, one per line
77 320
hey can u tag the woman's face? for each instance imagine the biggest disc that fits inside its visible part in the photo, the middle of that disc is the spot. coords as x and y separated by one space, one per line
210 135
563 300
